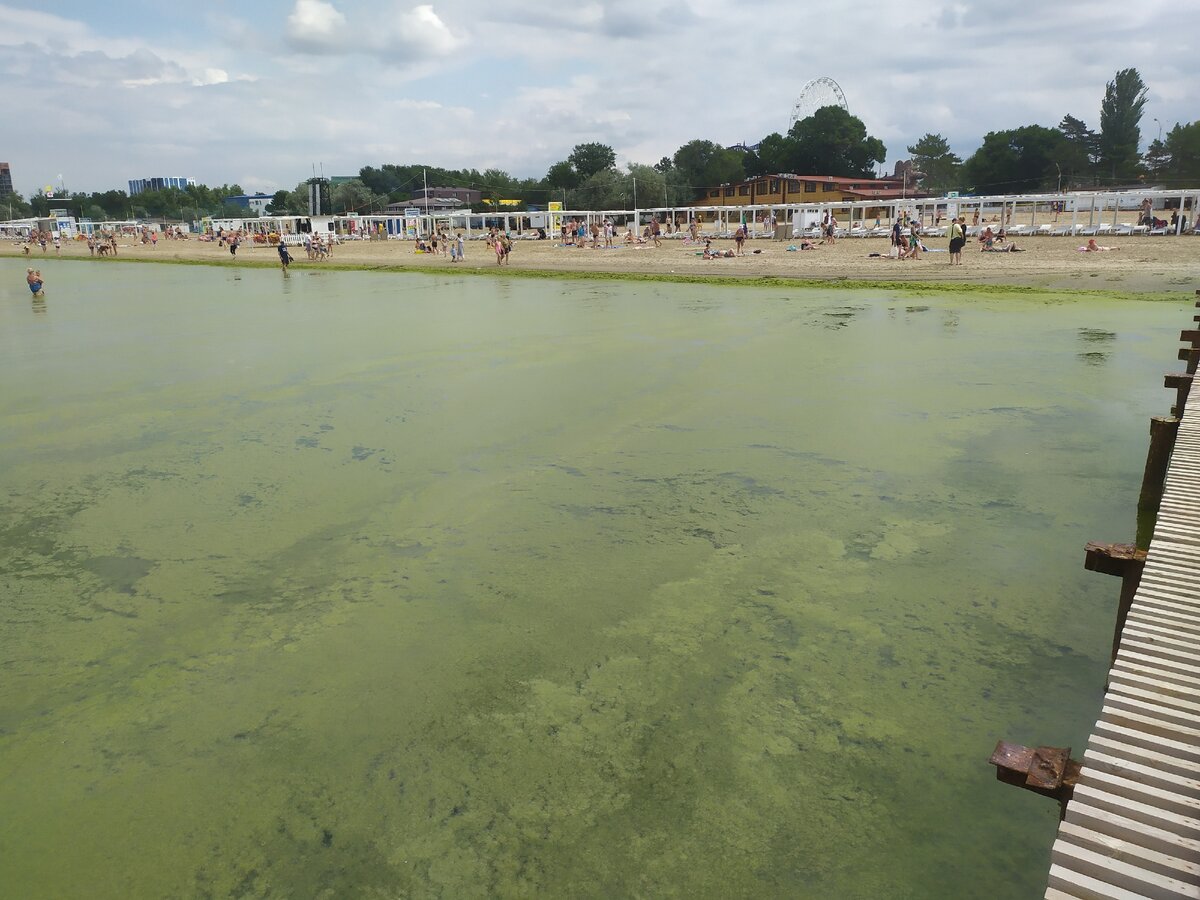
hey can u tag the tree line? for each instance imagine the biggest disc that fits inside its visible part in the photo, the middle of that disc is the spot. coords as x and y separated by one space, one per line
1027 159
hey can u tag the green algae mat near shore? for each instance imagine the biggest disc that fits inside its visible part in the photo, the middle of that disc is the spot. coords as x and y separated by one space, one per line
352 585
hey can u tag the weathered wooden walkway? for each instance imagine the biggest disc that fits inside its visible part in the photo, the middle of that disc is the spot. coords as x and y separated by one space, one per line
1132 825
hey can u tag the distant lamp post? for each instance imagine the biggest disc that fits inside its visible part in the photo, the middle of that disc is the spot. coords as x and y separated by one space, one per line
1159 124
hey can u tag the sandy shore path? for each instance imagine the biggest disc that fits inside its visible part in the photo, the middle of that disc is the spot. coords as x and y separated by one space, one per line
1136 265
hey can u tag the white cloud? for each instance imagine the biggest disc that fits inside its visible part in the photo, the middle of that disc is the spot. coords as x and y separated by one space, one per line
397 35
317 26
516 85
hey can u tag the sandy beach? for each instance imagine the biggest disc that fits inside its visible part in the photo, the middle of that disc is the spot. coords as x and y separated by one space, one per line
1137 264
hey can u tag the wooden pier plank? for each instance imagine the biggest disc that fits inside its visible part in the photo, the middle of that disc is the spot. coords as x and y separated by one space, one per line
1132 827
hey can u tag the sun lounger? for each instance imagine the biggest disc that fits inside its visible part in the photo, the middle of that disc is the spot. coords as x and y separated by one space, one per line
1141 229
1045 230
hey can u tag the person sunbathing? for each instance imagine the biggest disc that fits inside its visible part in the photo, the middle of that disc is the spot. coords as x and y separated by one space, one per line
1009 247
1092 247
710 253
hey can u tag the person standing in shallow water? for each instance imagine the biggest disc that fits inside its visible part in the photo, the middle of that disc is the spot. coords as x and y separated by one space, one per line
285 258
35 281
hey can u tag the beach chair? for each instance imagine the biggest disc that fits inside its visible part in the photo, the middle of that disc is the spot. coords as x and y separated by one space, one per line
1156 231
1123 230
1044 230
1019 231
1087 230
1104 228
1144 229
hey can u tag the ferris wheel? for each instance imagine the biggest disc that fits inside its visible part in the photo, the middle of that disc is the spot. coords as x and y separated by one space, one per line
817 93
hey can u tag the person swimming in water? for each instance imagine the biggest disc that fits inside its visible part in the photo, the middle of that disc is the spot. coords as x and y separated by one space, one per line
35 281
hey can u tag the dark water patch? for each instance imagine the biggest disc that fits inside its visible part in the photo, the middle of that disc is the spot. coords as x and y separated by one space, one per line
119 573
799 454
1093 358
750 485
1096 335
841 317
569 470
362 453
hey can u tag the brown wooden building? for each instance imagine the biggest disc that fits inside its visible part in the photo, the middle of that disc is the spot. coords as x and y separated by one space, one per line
797 190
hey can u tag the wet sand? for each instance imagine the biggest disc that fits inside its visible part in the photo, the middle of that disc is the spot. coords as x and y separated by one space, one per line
1136 264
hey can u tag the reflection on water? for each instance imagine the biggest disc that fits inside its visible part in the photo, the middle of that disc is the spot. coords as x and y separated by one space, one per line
1096 341
369 585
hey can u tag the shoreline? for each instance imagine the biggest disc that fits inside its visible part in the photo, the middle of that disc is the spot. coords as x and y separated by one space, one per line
1157 268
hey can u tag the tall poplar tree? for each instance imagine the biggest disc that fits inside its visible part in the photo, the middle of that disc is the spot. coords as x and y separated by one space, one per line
1120 132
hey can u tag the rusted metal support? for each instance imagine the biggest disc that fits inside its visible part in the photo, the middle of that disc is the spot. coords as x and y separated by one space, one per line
1162 442
1048 771
1190 355
1183 385
1125 561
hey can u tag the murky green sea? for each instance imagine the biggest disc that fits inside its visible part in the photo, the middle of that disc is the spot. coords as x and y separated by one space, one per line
361 585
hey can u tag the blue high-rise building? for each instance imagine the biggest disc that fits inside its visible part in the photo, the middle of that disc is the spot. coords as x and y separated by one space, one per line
136 186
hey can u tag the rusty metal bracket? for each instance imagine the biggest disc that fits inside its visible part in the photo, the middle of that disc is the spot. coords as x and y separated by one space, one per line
1125 561
1048 771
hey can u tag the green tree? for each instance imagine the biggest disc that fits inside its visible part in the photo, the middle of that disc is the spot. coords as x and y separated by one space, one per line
603 190
1157 158
651 186
702 164
1120 120
1080 152
774 155
15 206
279 203
932 158
562 175
588 159
351 196
297 202
833 142
1183 154
1020 160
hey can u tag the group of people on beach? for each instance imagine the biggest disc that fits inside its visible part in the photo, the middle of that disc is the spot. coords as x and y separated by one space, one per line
442 243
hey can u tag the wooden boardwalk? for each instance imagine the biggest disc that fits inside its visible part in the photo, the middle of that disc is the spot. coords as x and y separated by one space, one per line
1132 826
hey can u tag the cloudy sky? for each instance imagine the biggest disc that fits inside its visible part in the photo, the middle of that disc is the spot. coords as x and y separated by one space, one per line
257 94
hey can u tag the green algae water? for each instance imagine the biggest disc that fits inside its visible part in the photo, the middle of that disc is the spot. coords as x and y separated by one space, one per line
358 585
